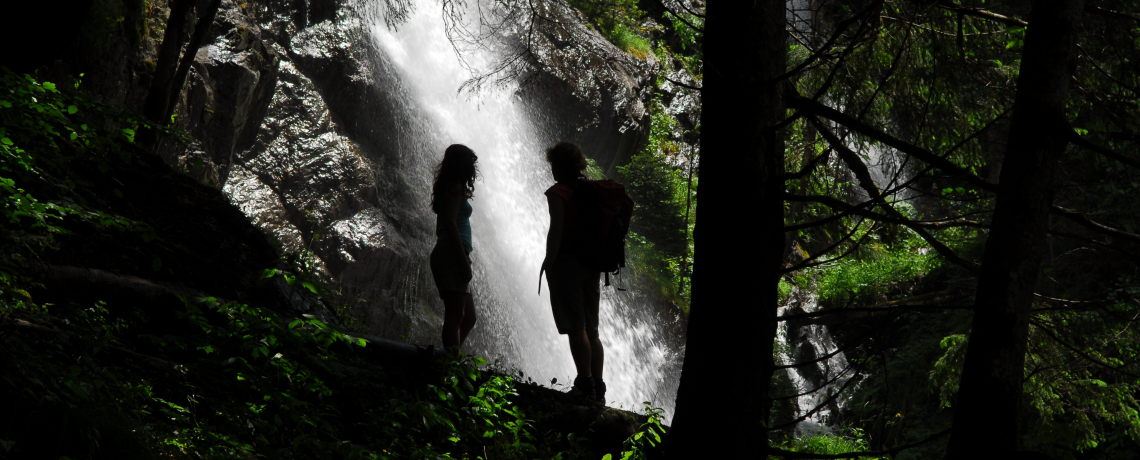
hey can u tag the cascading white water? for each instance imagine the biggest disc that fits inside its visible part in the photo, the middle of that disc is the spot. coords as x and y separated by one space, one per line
510 223
819 339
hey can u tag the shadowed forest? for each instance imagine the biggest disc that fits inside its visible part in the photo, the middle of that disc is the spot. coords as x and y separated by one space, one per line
880 229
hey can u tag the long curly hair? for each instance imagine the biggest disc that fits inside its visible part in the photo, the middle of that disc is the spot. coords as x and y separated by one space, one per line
457 167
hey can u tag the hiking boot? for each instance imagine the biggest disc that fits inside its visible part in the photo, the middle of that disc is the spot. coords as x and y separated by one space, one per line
583 387
600 390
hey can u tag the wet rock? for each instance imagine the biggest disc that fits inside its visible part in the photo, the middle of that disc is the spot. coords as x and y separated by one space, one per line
383 280
586 90
262 207
319 174
226 98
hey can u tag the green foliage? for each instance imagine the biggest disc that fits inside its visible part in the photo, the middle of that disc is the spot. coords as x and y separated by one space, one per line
618 21
629 41
947 371
829 444
661 232
639 444
784 289
658 188
878 269
43 129
687 35
255 378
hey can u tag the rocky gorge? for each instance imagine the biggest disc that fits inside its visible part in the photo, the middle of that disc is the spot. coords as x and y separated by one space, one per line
301 115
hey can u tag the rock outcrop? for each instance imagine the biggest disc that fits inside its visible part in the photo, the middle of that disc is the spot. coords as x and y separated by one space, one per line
296 116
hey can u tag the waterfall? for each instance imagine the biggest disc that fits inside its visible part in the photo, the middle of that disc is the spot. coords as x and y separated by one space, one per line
510 223
806 343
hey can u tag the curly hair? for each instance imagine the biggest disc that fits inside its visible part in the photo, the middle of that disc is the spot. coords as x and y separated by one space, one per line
457 168
566 160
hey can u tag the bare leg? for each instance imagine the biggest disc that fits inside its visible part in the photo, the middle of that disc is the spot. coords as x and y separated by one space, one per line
597 357
580 351
452 318
468 318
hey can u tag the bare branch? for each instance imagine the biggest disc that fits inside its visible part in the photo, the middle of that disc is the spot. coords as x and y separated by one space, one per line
849 345
840 205
872 310
823 386
1110 13
1084 220
1076 139
682 18
980 13
839 30
808 105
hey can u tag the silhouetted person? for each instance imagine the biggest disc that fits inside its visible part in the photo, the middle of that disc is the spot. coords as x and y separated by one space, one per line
574 291
450 262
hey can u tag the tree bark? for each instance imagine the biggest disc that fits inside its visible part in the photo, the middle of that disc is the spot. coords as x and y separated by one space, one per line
167 65
986 414
740 233
205 19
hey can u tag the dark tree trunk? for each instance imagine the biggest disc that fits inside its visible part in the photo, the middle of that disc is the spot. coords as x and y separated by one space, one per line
168 52
728 357
989 399
205 19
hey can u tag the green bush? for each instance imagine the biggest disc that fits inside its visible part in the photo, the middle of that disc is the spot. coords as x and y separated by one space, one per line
829 444
875 271
629 41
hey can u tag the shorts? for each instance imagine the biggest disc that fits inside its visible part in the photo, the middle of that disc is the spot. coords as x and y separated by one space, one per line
446 270
574 297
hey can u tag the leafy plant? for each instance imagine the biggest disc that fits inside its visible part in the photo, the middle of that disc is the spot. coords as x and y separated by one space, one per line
637 446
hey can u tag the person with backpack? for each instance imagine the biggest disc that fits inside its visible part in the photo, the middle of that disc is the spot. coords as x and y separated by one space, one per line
454 184
588 224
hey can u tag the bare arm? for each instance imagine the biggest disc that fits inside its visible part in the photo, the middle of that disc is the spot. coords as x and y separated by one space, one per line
557 219
554 236
449 215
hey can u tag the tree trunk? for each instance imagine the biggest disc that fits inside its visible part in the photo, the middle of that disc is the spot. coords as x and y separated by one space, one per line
167 65
989 399
205 19
740 233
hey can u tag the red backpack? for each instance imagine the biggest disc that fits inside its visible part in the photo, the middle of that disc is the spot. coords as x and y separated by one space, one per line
604 212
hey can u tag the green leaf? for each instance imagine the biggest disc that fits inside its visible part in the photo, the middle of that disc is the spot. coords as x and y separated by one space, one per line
6 141
72 109
49 86
156 264
607 457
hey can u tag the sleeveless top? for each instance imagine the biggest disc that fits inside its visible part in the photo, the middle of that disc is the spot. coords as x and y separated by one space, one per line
565 249
463 221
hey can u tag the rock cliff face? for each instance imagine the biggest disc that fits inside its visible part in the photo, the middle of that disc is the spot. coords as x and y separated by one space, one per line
296 116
